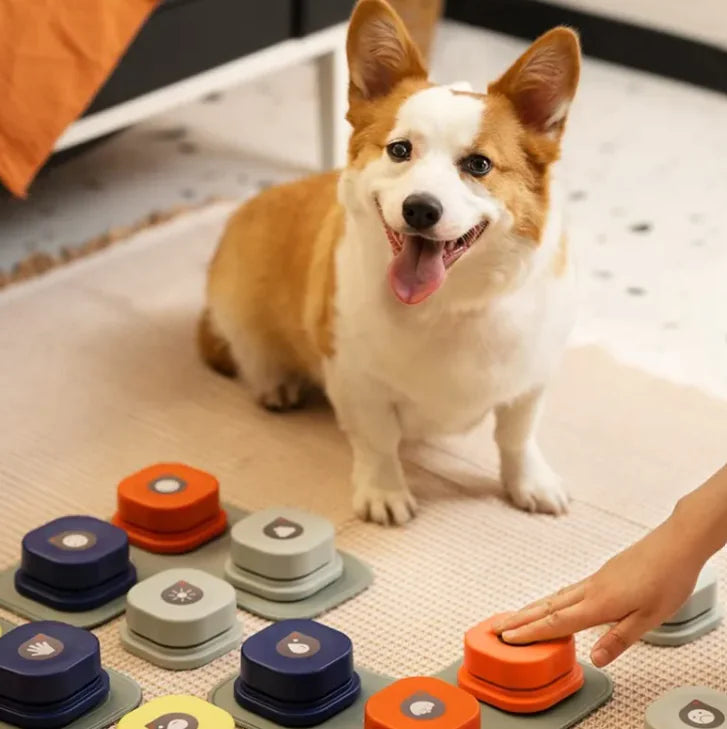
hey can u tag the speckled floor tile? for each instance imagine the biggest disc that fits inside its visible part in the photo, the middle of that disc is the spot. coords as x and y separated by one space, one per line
645 160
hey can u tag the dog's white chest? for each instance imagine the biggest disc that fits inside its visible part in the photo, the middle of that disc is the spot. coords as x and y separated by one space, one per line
445 375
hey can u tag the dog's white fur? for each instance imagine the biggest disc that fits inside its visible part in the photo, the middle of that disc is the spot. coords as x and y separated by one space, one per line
480 344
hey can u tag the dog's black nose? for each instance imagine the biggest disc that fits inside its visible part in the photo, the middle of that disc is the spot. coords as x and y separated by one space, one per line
421 210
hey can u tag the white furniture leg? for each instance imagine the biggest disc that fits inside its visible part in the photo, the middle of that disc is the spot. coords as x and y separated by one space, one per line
332 105
326 47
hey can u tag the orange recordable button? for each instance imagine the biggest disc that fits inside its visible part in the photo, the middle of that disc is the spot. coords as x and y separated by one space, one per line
170 508
422 703
519 679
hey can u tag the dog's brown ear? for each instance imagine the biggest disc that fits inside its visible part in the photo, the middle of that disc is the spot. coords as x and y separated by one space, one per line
380 51
542 83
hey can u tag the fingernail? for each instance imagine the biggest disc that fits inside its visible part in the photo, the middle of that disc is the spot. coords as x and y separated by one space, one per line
509 636
499 627
599 657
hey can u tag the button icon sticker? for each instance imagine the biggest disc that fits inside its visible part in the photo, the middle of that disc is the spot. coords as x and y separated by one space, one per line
182 593
174 721
40 647
73 541
698 714
167 485
298 645
282 528
423 706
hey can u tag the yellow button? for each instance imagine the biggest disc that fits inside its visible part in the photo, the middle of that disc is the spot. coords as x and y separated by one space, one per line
177 712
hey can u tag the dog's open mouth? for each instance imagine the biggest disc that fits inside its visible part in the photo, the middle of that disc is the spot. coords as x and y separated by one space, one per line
420 264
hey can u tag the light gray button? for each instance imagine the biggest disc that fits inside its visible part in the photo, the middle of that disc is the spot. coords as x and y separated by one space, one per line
282 543
703 598
181 607
290 591
699 615
695 707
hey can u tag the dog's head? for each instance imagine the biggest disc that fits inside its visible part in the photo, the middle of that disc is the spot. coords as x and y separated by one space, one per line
459 180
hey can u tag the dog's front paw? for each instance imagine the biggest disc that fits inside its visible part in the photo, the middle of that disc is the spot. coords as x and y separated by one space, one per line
532 485
384 506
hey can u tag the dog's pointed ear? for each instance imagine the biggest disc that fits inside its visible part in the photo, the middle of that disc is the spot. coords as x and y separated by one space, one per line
380 51
541 84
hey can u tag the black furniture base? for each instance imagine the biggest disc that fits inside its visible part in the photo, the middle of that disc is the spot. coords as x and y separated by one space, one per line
632 45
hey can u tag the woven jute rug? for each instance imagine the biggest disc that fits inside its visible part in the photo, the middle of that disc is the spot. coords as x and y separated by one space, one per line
99 377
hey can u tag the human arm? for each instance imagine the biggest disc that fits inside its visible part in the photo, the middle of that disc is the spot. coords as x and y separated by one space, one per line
637 589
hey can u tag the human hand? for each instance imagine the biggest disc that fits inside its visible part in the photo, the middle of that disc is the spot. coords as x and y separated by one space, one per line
636 590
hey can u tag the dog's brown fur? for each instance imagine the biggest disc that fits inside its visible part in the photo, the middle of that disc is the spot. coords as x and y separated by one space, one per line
286 233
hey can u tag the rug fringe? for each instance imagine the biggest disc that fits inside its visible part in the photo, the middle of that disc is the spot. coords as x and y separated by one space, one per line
38 263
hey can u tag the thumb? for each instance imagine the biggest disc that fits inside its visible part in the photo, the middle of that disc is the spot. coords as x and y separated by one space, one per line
620 637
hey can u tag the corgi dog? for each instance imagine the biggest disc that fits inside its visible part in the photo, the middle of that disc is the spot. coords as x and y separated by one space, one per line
426 285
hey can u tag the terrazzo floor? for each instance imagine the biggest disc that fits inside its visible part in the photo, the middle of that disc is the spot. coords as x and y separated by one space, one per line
645 158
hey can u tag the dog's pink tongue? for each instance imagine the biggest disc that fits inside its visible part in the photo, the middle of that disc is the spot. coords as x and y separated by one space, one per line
417 271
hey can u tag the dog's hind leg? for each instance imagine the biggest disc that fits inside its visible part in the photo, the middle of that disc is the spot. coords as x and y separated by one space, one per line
261 366
267 370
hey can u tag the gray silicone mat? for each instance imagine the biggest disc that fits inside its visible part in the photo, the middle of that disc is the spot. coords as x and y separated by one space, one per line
596 691
125 695
5 626
11 599
351 718
209 557
356 578
212 557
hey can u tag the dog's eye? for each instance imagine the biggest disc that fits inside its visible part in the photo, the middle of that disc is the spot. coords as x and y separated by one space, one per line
476 165
399 151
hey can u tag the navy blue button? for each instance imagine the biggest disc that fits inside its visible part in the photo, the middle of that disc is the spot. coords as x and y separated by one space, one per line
75 552
294 714
297 673
296 660
50 674
75 563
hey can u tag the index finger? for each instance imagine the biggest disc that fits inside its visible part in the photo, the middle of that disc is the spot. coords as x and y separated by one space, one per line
540 609
557 624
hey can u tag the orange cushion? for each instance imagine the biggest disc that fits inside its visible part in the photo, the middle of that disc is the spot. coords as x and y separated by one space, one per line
54 57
